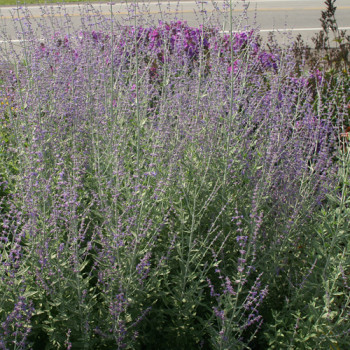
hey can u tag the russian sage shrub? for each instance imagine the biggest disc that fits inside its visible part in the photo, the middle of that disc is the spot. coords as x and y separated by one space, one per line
167 178
320 300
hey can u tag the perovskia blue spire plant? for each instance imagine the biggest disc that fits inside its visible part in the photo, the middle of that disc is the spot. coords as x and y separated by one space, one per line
162 187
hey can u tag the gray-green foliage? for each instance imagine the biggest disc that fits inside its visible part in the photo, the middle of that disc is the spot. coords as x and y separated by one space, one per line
315 314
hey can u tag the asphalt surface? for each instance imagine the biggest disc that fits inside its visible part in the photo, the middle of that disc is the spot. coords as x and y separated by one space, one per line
286 18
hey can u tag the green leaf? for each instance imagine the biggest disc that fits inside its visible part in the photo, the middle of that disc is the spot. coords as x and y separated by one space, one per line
29 294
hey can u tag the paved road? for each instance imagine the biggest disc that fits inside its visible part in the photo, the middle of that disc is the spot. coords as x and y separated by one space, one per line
293 16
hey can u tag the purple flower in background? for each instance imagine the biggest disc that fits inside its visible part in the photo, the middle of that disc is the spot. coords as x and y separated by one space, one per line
268 60
234 67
